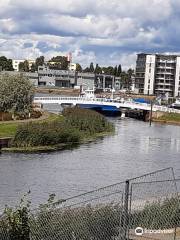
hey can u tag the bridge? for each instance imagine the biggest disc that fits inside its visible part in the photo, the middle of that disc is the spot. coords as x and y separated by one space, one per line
107 104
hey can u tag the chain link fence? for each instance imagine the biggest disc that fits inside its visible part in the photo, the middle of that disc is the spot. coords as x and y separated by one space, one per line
144 207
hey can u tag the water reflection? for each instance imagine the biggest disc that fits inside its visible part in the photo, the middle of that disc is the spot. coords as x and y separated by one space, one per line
135 149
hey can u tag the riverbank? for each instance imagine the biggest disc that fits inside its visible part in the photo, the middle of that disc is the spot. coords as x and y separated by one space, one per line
8 128
76 126
168 118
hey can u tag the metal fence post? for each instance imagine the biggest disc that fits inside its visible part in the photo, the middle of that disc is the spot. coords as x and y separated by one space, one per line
125 214
126 210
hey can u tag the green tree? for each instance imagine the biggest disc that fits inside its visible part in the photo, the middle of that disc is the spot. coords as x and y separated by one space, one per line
59 62
6 64
108 70
119 71
16 221
33 67
126 78
98 69
78 67
24 66
39 62
16 94
115 71
91 67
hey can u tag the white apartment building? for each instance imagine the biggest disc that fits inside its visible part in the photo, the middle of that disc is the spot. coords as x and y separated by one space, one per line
158 74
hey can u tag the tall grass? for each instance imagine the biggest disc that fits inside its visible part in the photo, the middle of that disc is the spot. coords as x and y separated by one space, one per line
76 124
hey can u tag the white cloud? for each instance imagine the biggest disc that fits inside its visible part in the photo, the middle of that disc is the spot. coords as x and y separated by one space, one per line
94 30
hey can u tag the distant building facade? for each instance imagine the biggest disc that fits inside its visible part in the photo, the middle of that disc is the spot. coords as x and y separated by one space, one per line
46 76
158 74
16 62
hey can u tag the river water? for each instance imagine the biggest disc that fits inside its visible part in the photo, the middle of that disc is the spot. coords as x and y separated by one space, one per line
135 149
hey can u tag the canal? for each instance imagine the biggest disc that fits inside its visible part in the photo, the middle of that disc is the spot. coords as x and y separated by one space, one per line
135 149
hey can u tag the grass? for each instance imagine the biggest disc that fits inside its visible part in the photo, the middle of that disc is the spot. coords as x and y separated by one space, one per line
170 117
9 129
76 126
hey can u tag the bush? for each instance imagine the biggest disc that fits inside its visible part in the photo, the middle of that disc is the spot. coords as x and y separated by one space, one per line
76 124
46 133
87 120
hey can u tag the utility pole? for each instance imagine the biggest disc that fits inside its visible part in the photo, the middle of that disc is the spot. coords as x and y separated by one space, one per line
150 117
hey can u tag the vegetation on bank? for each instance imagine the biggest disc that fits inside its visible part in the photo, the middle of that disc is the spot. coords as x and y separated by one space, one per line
84 221
16 94
9 128
169 118
75 126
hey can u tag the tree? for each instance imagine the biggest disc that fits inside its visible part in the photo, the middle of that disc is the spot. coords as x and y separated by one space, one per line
98 69
39 62
78 67
33 67
119 71
115 71
86 70
59 62
126 78
91 67
6 64
108 70
16 94
24 66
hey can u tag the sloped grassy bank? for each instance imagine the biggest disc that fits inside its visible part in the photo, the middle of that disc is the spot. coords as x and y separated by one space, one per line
74 127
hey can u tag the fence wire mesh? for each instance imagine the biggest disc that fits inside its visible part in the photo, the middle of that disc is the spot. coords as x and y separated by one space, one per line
144 207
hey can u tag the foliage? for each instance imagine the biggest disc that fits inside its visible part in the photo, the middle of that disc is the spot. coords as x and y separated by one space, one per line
126 78
101 221
24 66
119 71
16 94
87 121
46 133
59 62
9 129
6 64
98 69
170 117
78 67
39 62
71 129
86 222
157 215
91 67
15 222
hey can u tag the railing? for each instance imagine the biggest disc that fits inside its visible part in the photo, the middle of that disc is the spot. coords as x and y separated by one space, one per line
125 104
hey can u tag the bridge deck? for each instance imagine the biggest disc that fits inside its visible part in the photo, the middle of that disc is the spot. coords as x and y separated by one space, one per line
102 101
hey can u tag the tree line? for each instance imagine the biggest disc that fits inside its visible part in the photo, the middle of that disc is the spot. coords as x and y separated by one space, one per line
59 62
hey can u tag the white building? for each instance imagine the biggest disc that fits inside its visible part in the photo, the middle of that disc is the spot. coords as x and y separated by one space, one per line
16 63
158 74
72 66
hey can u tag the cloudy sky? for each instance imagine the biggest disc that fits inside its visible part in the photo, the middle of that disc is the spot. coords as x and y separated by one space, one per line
107 32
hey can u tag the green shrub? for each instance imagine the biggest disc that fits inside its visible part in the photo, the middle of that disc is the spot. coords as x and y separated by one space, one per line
76 124
87 120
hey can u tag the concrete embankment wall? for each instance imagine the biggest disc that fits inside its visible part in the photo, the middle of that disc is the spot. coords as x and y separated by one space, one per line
157 115
4 142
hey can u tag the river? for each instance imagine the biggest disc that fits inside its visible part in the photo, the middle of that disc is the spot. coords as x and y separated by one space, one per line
135 149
